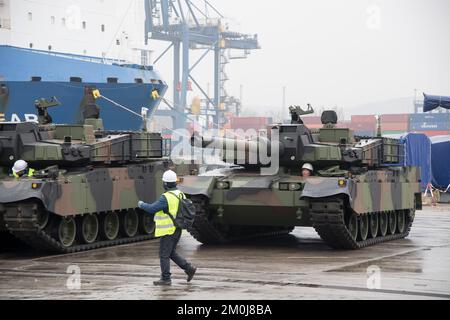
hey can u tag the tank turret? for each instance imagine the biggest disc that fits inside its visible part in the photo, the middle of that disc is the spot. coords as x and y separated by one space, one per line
295 144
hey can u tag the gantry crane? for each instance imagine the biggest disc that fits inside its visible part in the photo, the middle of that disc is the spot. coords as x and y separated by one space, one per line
189 25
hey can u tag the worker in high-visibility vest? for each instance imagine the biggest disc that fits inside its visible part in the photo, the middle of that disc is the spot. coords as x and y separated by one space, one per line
167 231
21 170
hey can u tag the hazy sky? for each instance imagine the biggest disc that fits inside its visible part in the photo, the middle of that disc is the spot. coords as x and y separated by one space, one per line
327 52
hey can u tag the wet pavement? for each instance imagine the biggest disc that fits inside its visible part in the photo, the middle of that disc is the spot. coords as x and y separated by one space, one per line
298 266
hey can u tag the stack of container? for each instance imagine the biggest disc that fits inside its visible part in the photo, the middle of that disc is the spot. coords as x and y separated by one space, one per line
392 124
431 124
313 122
248 123
365 126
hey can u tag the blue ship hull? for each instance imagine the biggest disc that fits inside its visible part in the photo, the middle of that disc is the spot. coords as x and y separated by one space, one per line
52 73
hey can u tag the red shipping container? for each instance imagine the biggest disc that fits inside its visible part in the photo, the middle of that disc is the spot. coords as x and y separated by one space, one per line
395 118
315 126
363 126
364 119
249 122
312 120
394 126
344 124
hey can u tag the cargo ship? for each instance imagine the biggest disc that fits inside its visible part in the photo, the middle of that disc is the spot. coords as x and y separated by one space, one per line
58 47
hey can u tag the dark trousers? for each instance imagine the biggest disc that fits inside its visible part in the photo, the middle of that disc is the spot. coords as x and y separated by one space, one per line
167 252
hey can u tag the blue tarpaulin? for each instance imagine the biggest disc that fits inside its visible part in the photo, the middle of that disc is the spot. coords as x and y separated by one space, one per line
434 102
440 161
418 154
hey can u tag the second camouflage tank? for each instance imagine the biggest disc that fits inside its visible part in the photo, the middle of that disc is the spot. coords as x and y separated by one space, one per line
359 194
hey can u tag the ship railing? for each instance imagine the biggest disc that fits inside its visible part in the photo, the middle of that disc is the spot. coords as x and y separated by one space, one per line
74 56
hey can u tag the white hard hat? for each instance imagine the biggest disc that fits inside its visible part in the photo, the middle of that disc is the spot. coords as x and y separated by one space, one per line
308 166
19 166
170 177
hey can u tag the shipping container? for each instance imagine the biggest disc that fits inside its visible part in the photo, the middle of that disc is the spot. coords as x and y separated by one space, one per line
430 117
429 122
364 119
429 126
314 126
312 120
435 133
246 123
363 126
395 118
394 126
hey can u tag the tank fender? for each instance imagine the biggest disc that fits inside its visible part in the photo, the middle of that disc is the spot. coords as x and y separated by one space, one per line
198 186
17 191
327 187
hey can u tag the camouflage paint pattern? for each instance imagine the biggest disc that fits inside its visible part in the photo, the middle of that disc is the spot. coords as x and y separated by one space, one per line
252 199
96 191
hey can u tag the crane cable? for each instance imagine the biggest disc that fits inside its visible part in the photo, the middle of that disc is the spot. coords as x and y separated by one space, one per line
98 95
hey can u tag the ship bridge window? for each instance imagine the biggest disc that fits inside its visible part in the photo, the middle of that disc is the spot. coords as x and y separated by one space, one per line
50 48
76 79
31 45
112 80
138 80
103 28
84 24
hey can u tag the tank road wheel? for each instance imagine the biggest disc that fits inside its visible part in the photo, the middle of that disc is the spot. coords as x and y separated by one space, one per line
110 226
129 223
363 227
384 224
42 217
89 229
67 231
146 224
401 221
392 217
374 225
352 226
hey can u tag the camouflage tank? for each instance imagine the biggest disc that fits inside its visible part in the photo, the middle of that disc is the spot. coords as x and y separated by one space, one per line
359 195
87 182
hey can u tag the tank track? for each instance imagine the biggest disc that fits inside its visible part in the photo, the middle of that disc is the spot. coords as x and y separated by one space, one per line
204 231
26 229
328 218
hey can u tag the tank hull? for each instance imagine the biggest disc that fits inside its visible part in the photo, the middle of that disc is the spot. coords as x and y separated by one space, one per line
82 210
244 199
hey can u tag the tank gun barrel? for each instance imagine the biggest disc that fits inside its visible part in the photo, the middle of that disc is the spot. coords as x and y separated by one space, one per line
237 151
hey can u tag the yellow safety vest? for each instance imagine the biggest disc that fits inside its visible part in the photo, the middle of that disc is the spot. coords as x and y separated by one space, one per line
30 174
164 223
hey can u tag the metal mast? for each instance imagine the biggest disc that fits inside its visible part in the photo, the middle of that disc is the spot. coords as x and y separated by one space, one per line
189 25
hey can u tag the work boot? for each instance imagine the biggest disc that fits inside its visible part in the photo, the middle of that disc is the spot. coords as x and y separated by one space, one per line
191 273
162 283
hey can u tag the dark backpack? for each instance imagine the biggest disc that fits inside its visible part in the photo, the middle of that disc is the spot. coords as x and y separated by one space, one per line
186 212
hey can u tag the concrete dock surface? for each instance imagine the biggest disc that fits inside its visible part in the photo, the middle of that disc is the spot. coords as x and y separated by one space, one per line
297 266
